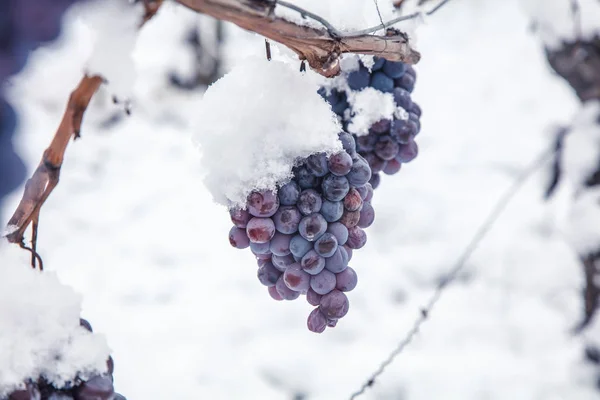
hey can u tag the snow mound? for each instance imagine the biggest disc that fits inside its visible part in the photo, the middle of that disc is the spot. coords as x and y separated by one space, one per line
369 106
255 123
556 21
40 332
114 26
583 229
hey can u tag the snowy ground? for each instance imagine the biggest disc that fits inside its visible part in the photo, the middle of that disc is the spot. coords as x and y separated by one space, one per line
133 229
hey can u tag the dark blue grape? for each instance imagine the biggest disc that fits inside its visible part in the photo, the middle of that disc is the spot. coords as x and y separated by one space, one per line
309 202
380 127
85 325
394 69
300 246
403 131
286 219
348 143
402 98
407 81
392 167
367 215
375 180
96 388
335 187
326 245
282 262
360 173
366 143
288 193
382 82
339 164
415 109
268 274
305 179
312 227
386 148
374 161
332 210
316 164
260 248
379 63
359 79
412 117
341 105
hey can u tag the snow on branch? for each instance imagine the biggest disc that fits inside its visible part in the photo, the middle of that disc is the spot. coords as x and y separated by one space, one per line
320 47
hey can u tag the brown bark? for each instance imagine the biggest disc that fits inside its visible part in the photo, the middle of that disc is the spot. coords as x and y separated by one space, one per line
319 47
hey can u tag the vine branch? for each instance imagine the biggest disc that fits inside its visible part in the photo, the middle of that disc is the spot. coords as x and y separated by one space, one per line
321 48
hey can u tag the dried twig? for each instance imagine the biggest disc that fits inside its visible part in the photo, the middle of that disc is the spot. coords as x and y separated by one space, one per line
45 177
320 47
457 268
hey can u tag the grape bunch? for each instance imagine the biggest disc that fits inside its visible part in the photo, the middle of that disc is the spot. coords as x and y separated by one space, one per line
304 233
389 142
99 387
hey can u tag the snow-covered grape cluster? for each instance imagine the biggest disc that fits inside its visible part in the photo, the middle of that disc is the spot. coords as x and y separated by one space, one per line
99 387
303 234
390 142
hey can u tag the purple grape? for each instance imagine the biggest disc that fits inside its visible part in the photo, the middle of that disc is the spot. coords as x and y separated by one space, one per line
375 162
380 127
282 262
316 164
415 120
346 280
367 216
286 219
335 187
332 323
403 131
341 105
386 148
239 217
63 396
289 193
265 257
415 109
375 180
360 173
260 248
402 98
357 238
316 321
110 365
348 142
260 230
392 167
339 231
296 279
300 246
332 210
334 305
309 202
274 293
312 227
394 69
263 203
312 297
382 82
350 218
369 193
285 292
280 244
338 261
30 392
268 274
260 262
366 143
408 152
349 251
305 179
359 79
353 201
312 262
96 388
326 245
340 163
238 238
323 282
407 81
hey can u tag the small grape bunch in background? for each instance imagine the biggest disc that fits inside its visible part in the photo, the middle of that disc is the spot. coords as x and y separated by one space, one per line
98 387
303 234
390 141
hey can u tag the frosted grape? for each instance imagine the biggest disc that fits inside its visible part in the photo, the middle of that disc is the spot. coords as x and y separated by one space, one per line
323 282
268 274
350 218
238 238
382 82
367 215
408 152
260 230
312 227
282 262
392 167
312 262
332 210
386 148
260 248
280 244
300 246
316 321
285 292
360 173
316 164
340 163
335 187
287 219
296 279
326 245
339 231
359 79
353 200
338 261
334 305
357 238
263 203
313 297
288 193
346 280
394 69
309 202
274 293
239 217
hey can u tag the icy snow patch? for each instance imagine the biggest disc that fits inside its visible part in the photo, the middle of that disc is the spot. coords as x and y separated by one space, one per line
255 123
583 230
581 154
114 25
40 332
557 23
369 106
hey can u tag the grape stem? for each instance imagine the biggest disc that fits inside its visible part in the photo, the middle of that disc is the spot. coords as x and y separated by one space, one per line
322 47
451 276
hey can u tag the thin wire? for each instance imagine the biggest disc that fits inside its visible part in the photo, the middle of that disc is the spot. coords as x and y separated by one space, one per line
458 266
379 13
339 34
